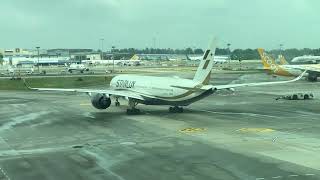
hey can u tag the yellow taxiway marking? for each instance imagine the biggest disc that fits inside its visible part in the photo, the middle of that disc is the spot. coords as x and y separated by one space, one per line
85 104
192 130
256 130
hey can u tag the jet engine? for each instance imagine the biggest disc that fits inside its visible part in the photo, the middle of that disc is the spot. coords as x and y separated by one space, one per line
100 101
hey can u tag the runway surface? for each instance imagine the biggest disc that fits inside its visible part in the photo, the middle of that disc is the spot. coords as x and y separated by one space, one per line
243 135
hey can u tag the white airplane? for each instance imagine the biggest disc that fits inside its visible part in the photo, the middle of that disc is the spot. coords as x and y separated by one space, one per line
31 71
306 60
170 91
217 59
11 70
77 67
127 62
134 61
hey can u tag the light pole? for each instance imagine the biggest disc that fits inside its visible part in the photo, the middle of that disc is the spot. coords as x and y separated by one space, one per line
229 54
102 39
154 42
38 59
281 46
113 47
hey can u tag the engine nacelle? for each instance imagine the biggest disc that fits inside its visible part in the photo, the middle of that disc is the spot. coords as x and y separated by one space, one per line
100 101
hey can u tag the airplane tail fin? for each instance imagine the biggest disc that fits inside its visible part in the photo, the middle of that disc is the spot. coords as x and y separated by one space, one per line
204 70
188 58
283 60
135 57
267 61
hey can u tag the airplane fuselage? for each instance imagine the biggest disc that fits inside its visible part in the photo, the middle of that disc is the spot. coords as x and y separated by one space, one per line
287 70
292 70
160 87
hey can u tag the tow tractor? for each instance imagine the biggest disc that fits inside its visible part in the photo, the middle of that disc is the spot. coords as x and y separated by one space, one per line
297 96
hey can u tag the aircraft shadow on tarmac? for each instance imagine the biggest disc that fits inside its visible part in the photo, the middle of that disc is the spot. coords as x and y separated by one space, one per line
144 112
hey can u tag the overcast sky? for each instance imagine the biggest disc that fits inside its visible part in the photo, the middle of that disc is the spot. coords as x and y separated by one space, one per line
172 23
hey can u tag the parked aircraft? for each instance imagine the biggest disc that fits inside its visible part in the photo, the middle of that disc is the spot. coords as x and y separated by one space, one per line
77 67
217 59
285 69
306 60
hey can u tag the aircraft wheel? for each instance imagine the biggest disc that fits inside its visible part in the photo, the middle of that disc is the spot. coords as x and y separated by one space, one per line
176 109
295 97
306 96
312 78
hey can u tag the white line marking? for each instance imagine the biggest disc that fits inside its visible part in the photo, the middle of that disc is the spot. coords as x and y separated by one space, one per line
293 175
13 152
310 174
274 139
103 163
4 173
235 113
22 119
277 177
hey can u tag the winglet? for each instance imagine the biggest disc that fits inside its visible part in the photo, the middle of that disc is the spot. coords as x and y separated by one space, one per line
301 75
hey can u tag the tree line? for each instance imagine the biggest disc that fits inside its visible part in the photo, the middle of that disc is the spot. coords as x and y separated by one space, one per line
236 54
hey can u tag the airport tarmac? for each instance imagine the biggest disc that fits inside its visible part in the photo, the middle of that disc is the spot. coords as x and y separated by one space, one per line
244 135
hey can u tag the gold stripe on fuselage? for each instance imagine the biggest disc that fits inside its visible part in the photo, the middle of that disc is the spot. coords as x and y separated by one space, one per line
188 93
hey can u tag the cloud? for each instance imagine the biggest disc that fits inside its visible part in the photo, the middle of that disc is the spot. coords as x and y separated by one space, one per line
179 23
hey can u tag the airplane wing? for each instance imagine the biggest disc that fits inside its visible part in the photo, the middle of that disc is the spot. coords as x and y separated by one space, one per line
313 68
121 93
229 86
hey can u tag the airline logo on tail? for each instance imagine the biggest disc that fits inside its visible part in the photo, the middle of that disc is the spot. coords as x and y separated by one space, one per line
205 58
206 64
270 64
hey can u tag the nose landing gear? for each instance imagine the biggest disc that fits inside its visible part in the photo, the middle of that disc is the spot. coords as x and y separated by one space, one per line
117 103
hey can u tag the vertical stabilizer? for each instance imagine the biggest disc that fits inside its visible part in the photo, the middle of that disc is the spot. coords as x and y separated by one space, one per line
204 70
267 61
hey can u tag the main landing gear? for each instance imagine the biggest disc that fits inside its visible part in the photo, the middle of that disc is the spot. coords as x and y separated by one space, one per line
312 78
176 109
117 103
133 110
